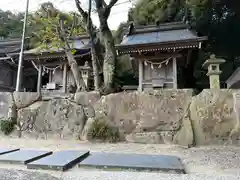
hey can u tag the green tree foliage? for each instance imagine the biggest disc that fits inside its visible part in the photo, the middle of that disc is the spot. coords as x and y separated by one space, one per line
11 24
53 30
45 27
217 19
149 11
121 31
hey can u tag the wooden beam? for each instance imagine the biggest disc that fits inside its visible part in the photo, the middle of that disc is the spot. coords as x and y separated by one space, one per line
65 78
39 83
51 56
140 80
157 56
189 54
174 73
52 63
159 45
50 76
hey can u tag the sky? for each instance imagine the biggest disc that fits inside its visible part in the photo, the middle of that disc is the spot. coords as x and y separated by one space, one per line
118 13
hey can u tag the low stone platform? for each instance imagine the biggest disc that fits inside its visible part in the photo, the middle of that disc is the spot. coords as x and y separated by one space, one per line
139 162
61 161
64 160
8 150
23 156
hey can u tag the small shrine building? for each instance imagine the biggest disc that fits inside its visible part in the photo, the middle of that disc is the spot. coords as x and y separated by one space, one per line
54 73
8 67
160 50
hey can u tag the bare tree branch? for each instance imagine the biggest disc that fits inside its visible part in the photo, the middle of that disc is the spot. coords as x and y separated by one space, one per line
99 4
73 26
61 31
71 60
104 3
107 9
83 13
58 31
112 3
89 15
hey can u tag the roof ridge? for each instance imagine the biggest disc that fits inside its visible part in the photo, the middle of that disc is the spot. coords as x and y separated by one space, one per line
159 29
161 24
11 39
82 36
233 74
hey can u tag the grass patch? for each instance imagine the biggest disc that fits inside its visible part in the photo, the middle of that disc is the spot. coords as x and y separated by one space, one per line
6 126
101 130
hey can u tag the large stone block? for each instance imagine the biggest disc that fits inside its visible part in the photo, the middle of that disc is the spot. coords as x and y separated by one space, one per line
24 99
145 138
87 98
162 163
165 116
185 136
141 113
213 118
6 101
56 118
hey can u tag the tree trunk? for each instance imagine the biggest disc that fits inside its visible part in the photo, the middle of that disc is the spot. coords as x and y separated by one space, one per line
109 66
96 58
96 54
93 49
71 61
110 55
76 71
95 69
109 69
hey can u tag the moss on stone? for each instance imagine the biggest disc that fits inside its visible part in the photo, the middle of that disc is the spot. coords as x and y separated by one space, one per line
101 130
6 126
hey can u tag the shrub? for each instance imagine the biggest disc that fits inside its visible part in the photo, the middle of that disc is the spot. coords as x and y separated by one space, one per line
101 130
6 126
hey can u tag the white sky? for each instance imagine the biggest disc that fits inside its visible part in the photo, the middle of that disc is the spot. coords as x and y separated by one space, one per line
118 14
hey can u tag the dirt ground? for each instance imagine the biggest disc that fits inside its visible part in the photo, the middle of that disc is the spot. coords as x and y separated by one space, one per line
210 160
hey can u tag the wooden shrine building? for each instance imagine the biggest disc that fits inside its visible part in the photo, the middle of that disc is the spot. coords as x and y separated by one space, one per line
160 50
54 73
8 67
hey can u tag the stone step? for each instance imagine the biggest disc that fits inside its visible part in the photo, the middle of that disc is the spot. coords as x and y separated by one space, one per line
140 162
62 160
7 150
23 156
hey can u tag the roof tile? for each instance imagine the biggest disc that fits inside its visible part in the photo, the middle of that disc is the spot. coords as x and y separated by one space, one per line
159 37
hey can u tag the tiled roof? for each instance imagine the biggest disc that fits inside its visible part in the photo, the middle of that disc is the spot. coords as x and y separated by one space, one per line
10 45
234 77
159 37
169 36
77 44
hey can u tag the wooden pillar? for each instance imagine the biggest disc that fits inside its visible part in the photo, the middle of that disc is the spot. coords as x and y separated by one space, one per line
39 83
140 78
65 78
175 73
50 76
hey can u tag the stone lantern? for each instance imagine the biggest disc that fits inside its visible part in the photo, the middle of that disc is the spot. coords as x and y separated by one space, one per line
86 73
214 72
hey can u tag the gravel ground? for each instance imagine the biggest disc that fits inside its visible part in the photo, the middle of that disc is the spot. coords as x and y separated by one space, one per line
101 175
211 162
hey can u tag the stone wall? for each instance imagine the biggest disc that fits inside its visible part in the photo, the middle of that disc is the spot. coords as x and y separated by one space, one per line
167 116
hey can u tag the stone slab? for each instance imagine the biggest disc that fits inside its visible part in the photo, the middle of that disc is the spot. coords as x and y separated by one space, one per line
61 160
7 150
23 156
162 163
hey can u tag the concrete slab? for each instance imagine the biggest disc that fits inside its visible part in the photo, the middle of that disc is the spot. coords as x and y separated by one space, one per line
7 150
23 156
60 161
133 162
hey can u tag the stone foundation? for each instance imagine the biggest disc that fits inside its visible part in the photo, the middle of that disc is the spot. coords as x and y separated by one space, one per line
165 116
